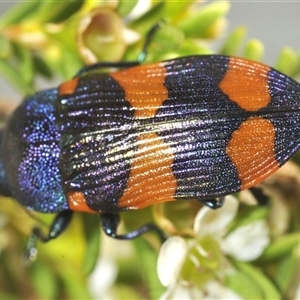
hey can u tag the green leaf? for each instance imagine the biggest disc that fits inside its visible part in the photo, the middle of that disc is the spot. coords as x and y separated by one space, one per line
199 23
287 61
66 10
91 224
147 260
66 63
41 66
260 282
125 7
234 41
14 77
244 286
123 291
5 47
18 12
281 246
44 281
177 9
287 271
248 215
254 50
26 66
75 285
146 21
55 11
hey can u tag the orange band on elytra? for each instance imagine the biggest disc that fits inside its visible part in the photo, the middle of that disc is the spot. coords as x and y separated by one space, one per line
246 83
251 149
68 87
77 202
144 88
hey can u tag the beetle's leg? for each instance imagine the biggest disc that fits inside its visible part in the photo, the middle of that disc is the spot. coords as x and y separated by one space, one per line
110 222
259 195
214 203
58 225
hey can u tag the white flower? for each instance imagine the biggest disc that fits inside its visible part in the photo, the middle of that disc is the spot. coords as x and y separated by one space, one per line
245 243
102 278
204 256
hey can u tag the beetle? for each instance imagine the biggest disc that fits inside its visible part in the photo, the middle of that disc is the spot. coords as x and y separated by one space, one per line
195 127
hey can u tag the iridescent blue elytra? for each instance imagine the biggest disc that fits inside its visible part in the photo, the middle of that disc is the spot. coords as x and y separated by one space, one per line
196 127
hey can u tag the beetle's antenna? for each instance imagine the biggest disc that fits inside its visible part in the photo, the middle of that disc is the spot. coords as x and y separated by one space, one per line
148 40
58 225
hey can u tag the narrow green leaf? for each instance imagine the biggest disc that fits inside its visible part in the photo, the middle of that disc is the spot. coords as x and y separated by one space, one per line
14 77
44 281
254 50
122 291
281 246
18 12
148 259
287 270
41 66
91 224
233 41
297 67
177 9
150 18
191 47
267 289
66 63
242 285
26 66
67 11
5 47
199 23
54 11
287 61
75 285
248 215
165 43
125 7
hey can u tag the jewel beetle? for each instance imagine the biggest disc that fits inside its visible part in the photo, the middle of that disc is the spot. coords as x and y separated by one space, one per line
195 127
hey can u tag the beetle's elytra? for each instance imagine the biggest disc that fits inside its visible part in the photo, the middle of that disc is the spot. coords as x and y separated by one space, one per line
196 127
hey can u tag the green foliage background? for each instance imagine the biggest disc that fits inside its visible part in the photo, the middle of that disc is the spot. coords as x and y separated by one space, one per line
45 39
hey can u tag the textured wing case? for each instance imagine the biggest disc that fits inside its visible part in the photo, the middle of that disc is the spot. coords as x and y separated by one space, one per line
192 128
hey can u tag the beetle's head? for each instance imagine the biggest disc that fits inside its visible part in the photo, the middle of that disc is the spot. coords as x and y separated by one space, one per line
4 187
30 153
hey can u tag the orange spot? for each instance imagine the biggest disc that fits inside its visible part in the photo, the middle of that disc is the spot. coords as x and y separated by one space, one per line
144 88
76 202
68 87
246 83
151 179
251 149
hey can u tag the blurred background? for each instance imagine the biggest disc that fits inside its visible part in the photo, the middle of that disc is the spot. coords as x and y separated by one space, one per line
63 266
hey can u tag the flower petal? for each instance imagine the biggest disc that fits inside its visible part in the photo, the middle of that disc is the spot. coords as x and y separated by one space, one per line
102 278
215 290
215 222
182 291
170 259
247 242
